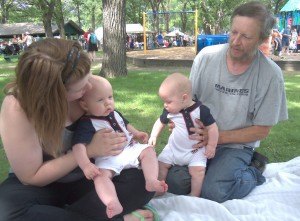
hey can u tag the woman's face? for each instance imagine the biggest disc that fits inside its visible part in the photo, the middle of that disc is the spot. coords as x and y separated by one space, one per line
77 89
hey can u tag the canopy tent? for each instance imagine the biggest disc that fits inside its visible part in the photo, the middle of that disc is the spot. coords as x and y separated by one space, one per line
290 14
291 5
134 28
174 33
130 29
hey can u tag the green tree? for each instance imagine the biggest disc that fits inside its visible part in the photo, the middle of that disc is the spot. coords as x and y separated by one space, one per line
134 11
5 7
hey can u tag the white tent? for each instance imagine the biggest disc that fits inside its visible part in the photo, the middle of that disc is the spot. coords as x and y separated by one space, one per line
130 29
99 34
134 28
174 33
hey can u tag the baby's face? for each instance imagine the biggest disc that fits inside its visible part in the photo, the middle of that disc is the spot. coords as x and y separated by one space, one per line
100 102
172 102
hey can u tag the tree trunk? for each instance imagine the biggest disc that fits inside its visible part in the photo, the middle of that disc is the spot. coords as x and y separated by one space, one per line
93 13
205 18
47 9
59 17
166 17
183 18
114 39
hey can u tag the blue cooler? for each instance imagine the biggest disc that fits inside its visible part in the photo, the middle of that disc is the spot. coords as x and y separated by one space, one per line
206 40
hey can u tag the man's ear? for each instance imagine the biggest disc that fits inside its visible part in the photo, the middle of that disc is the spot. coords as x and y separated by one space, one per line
83 104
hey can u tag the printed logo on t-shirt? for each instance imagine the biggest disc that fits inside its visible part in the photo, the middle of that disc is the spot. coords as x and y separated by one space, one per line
232 91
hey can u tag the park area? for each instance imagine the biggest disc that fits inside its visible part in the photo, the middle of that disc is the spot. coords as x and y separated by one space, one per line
137 93
136 97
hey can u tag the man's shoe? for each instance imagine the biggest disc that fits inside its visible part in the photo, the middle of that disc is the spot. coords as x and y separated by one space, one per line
259 161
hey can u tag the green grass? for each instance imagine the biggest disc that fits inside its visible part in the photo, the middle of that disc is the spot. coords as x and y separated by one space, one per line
136 97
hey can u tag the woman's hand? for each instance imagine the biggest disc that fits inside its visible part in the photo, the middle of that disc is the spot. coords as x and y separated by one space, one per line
106 142
200 134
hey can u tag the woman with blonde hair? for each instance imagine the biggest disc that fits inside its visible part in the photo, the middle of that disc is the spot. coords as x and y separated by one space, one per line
38 115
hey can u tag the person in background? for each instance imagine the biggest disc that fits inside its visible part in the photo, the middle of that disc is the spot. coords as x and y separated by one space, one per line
92 44
86 38
239 85
27 40
285 41
176 93
37 121
294 38
14 40
276 41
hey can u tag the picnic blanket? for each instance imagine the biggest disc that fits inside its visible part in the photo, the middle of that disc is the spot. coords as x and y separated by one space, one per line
277 199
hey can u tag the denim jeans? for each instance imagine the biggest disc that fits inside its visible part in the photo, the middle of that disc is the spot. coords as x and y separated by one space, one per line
228 176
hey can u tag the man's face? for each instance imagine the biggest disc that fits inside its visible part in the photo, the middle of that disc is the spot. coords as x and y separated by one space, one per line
244 38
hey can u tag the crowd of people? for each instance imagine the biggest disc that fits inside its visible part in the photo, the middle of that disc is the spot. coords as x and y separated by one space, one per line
286 41
159 40
17 43
232 85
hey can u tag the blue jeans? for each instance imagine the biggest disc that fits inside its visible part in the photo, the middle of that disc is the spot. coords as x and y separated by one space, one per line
228 176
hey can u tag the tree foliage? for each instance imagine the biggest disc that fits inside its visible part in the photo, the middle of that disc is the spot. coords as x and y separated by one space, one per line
213 14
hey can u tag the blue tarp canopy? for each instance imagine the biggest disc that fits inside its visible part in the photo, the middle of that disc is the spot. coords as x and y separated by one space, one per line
291 5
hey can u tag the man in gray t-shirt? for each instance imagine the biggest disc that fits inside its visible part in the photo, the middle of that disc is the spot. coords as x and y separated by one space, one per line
245 93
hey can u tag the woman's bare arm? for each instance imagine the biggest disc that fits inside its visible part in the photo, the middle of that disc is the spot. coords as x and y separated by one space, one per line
24 151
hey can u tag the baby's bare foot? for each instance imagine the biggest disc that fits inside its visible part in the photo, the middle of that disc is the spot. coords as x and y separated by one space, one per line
157 186
113 208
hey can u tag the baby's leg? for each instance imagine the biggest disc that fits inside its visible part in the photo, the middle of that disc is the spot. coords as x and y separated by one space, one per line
197 173
107 193
149 165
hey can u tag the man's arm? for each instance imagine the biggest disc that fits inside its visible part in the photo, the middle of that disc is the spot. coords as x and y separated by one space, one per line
245 135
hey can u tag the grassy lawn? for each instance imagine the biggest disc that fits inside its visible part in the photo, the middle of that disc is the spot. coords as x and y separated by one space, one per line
136 97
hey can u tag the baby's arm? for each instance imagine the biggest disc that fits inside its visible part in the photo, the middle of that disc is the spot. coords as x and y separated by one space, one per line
139 135
156 130
89 169
213 135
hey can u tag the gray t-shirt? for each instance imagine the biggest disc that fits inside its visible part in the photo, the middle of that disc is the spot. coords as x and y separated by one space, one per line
256 97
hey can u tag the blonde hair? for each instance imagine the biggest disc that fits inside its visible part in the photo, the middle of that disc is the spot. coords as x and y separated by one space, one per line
42 73
178 84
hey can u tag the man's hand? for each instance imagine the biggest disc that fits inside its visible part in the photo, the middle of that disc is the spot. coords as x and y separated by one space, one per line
200 134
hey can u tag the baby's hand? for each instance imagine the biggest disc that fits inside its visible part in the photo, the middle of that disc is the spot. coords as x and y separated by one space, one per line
91 171
210 151
141 136
152 141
